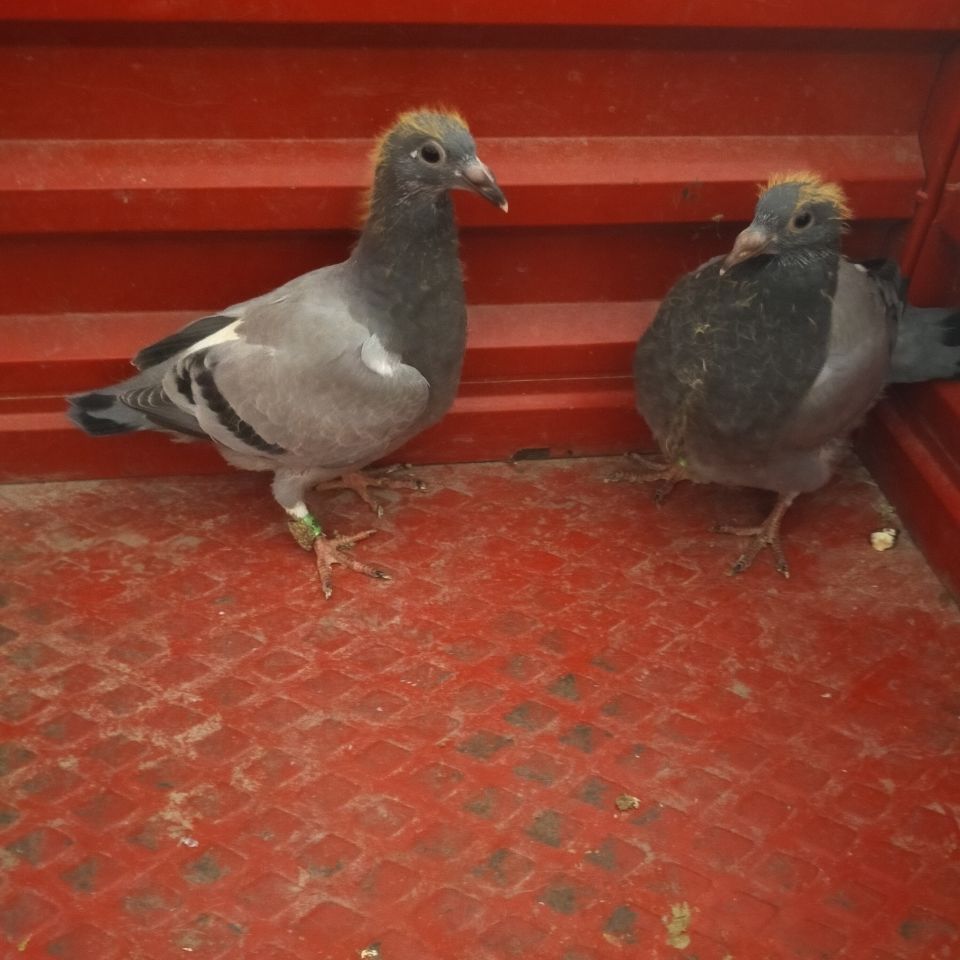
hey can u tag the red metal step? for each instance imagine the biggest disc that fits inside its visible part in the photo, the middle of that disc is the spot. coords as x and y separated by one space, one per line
53 355
295 80
127 272
542 377
94 186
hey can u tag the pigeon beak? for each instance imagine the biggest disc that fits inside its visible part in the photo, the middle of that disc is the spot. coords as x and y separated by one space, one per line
479 178
749 243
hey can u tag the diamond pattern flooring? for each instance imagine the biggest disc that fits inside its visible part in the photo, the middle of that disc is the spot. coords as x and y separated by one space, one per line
562 731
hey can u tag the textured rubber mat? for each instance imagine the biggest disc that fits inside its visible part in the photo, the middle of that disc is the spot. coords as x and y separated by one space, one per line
562 731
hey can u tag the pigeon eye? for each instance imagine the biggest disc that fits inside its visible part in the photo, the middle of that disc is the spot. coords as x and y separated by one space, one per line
801 221
431 153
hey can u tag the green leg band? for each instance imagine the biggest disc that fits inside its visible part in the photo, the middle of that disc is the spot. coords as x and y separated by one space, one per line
310 522
305 530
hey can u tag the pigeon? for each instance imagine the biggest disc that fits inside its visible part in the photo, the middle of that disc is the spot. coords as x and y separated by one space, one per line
759 364
334 369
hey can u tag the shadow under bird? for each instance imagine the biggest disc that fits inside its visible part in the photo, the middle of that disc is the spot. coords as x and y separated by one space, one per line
760 364
331 371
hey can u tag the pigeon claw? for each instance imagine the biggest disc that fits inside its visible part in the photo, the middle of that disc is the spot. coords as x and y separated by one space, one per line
662 491
407 481
763 539
331 551
665 475
361 483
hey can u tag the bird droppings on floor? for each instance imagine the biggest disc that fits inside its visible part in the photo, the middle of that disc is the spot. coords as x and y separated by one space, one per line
200 755
677 924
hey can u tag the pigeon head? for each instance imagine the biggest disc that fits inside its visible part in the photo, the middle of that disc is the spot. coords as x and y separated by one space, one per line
796 215
428 152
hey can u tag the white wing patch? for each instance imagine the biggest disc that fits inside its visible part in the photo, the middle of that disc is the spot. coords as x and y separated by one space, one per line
378 359
223 335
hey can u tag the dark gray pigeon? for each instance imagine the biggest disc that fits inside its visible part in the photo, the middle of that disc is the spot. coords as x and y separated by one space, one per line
760 364
336 368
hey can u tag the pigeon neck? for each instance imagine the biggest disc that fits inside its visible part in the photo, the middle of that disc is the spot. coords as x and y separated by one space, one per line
406 233
407 270
807 256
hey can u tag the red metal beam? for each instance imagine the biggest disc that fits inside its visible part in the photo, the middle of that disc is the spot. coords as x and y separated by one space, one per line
912 442
940 141
833 14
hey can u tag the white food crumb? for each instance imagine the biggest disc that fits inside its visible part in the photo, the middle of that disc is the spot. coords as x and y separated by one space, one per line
884 539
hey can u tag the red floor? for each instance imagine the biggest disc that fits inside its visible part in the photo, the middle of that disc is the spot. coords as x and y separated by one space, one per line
202 757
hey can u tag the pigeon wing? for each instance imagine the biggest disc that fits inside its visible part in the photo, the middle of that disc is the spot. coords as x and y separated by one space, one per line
856 367
303 380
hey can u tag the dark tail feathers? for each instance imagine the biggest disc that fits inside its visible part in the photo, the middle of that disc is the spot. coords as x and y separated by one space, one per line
101 414
928 345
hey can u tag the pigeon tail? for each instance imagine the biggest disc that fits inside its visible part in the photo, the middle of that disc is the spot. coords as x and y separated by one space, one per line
101 414
928 345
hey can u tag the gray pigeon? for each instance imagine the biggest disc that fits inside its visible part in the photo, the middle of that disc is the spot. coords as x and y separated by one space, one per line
760 364
333 370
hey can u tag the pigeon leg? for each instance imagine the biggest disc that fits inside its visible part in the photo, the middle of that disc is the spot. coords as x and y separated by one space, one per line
651 470
360 483
767 535
330 551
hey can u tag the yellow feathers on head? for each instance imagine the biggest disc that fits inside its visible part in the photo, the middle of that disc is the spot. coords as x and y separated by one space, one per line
429 121
813 189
